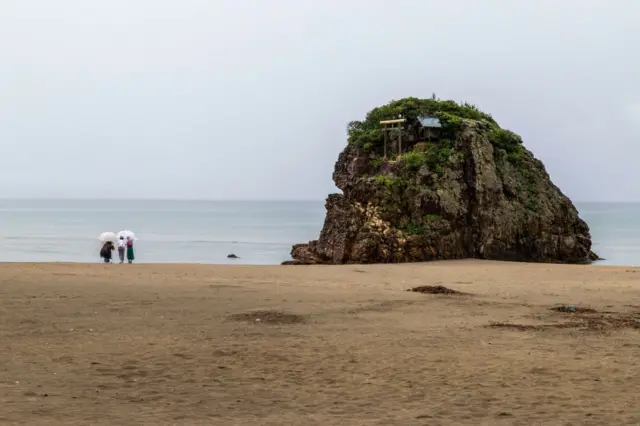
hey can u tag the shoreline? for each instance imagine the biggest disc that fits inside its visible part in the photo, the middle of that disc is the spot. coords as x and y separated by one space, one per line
594 264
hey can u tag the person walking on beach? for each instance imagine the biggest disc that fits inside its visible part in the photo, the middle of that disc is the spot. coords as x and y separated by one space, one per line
130 255
105 251
122 247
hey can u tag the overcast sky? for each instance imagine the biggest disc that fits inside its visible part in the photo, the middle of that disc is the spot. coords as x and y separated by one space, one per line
240 99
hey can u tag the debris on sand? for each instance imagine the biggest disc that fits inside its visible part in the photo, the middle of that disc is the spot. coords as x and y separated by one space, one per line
591 321
532 327
570 309
267 317
518 327
434 289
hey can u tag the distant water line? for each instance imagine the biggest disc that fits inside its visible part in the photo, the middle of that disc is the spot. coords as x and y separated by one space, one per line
259 232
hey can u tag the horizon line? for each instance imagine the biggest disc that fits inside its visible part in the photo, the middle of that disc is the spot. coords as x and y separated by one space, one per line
232 199
152 199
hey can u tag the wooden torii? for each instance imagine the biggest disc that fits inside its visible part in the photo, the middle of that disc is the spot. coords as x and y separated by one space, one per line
393 125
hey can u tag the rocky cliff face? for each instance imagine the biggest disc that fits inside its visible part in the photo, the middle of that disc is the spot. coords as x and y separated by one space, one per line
476 192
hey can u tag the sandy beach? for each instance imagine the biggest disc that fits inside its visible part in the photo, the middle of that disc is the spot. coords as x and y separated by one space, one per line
340 345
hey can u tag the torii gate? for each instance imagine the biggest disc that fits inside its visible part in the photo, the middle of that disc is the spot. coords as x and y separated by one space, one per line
393 125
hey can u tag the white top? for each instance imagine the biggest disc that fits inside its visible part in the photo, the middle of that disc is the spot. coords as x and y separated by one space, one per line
122 243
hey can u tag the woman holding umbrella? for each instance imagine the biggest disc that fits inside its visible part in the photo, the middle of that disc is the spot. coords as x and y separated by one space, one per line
130 255
106 250
107 239
122 247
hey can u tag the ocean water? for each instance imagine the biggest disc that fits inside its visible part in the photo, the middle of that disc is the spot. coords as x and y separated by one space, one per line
615 231
167 231
259 232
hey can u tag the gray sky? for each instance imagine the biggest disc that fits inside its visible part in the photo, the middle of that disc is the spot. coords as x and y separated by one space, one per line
245 99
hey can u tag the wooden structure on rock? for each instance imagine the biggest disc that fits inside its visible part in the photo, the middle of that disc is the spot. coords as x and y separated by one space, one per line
423 129
397 126
428 128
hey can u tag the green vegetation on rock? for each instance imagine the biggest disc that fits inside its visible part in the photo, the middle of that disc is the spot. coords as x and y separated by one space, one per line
414 160
367 134
531 190
387 180
449 112
507 142
414 228
376 163
418 228
435 155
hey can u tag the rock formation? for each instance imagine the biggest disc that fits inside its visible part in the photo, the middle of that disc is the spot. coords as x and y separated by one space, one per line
471 191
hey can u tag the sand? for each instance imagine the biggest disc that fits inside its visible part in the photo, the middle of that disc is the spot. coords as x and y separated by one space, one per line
344 345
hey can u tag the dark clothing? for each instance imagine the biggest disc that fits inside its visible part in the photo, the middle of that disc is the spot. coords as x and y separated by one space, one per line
105 252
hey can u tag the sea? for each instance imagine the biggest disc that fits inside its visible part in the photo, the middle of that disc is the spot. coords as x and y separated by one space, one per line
257 232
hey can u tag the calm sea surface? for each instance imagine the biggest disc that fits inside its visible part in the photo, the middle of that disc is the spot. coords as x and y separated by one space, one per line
207 231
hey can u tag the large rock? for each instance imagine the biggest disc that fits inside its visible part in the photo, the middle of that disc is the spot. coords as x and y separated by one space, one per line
476 194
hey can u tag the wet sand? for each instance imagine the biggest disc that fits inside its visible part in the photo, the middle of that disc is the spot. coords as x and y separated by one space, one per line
346 345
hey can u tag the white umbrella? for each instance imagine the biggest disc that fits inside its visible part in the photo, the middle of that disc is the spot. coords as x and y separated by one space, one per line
127 234
107 236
